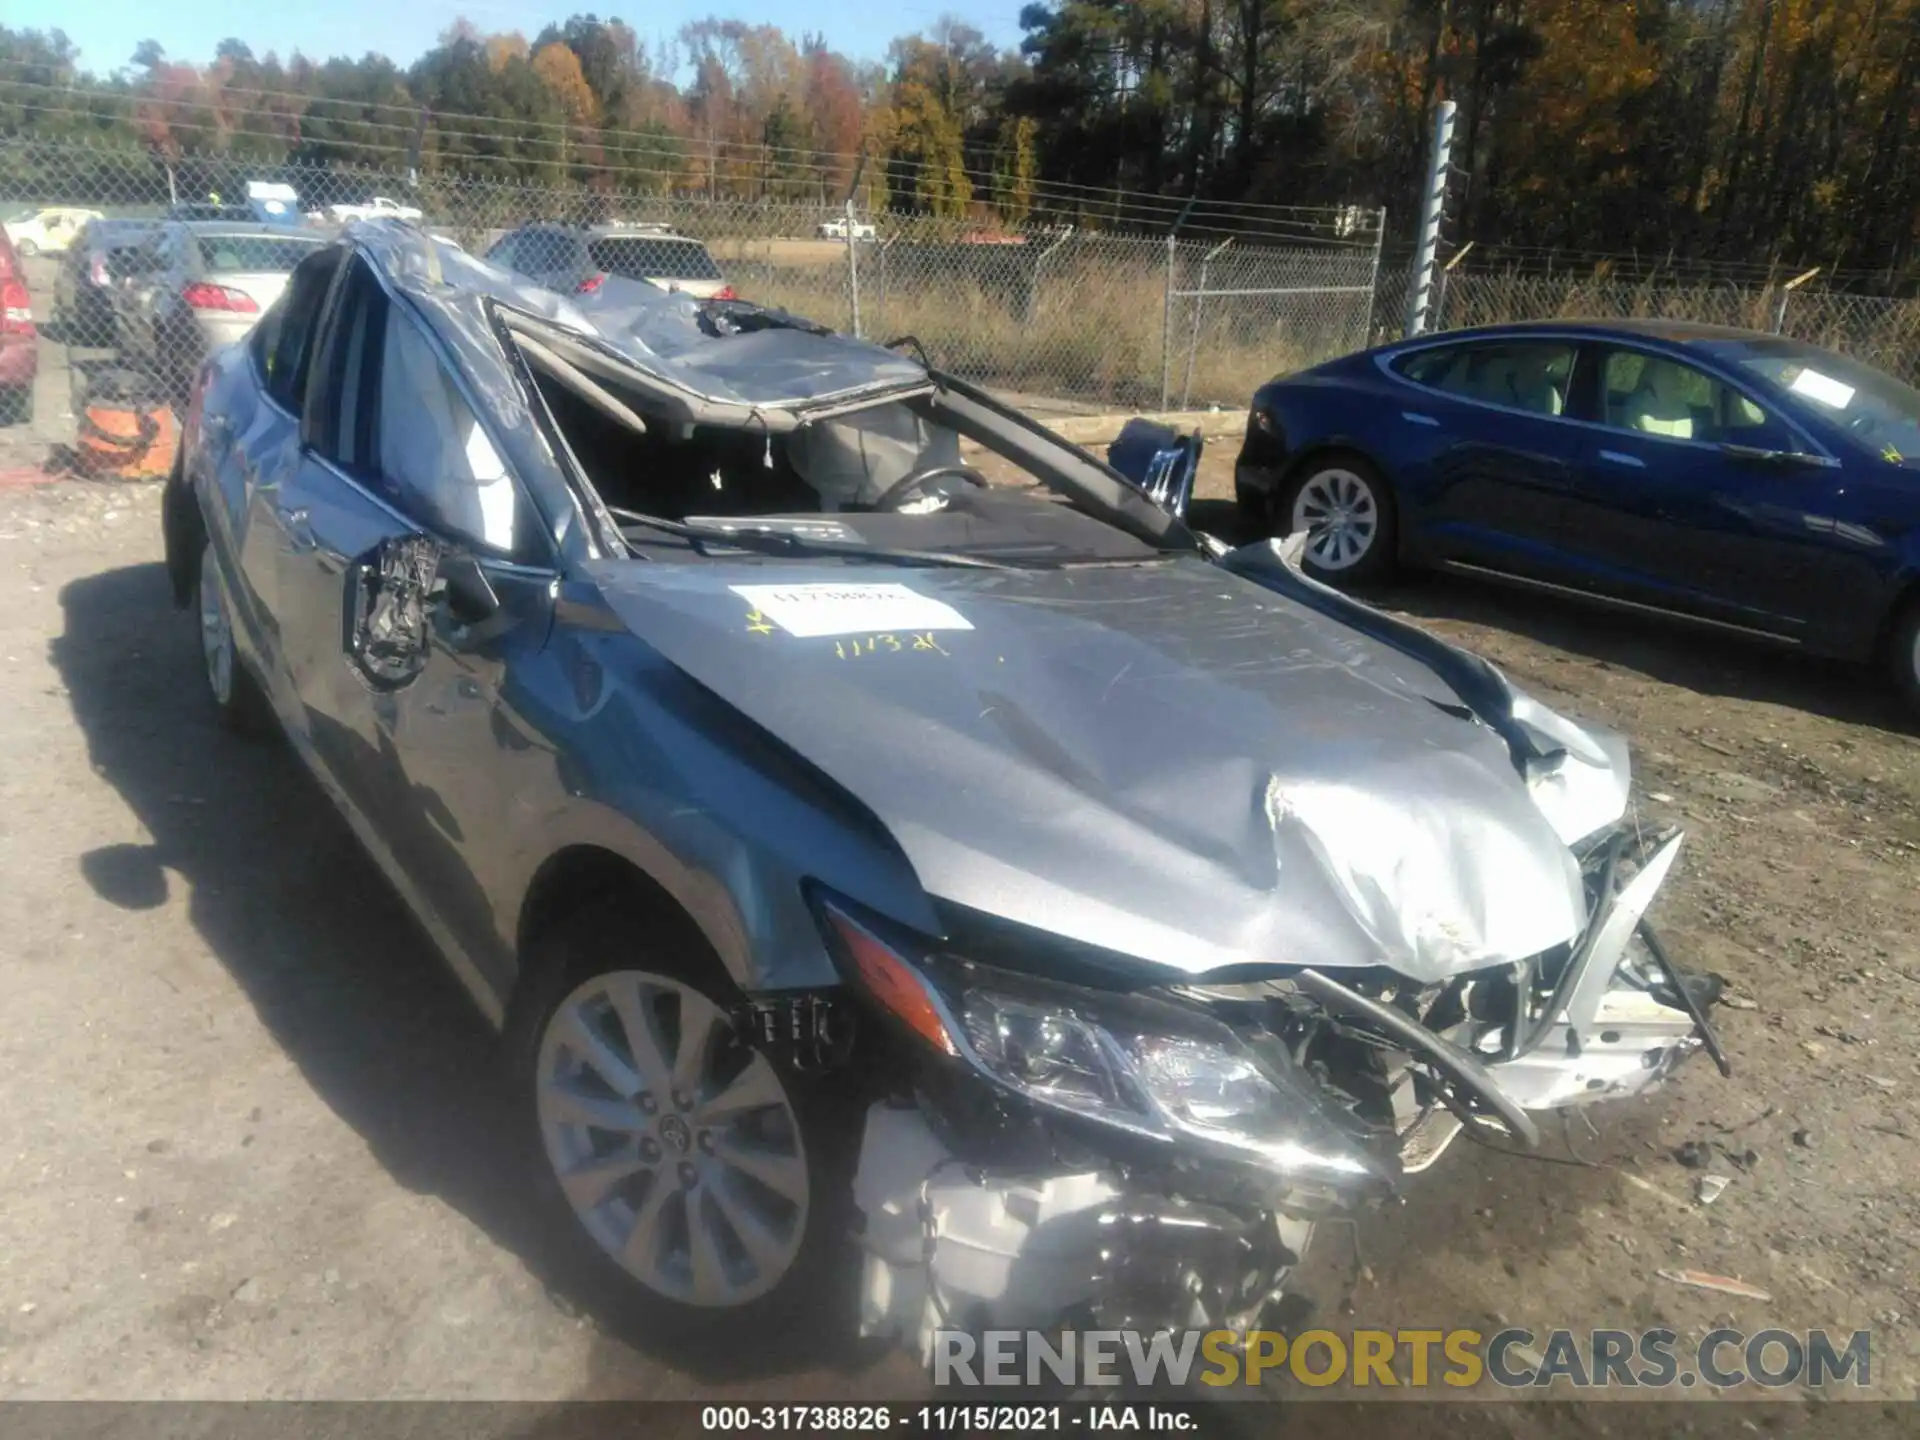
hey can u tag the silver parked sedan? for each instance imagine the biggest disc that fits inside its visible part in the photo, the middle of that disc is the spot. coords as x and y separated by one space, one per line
193 287
1091 906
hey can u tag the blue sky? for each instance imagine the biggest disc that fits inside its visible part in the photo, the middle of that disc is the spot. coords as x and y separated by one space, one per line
107 30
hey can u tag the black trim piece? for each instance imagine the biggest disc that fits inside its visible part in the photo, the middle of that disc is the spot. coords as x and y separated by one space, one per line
1687 1001
1615 602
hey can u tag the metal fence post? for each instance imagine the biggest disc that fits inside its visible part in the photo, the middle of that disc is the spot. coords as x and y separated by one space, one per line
1033 283
1446 285
1786 294
1433 209
853 267
1166 329
880 259
1199 299
1373 280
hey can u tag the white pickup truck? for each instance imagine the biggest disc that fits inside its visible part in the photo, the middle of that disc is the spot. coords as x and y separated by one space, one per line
377 208
837 230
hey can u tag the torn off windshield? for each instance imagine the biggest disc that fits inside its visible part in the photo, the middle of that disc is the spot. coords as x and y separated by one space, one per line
889 476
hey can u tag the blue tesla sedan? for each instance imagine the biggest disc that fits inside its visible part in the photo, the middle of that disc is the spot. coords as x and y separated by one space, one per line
1733 479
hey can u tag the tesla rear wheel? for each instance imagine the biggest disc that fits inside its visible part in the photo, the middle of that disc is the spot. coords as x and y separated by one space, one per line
704 1185
1346 510
236 698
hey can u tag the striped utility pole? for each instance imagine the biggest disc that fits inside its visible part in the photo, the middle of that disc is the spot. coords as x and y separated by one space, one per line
1433 209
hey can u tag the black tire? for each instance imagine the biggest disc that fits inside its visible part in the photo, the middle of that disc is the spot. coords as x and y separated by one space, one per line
1903 654
611 936
239 705
16 405
1370 518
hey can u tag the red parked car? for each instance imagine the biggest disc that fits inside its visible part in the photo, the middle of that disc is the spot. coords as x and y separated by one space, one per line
19 341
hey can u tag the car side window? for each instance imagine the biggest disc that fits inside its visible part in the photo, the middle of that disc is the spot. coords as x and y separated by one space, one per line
285 339
438 460
343 393
1533 375
1656 395
503 251
543 249
1428 367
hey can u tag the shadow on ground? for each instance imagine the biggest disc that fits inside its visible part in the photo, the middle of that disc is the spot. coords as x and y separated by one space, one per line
1703 661
328 955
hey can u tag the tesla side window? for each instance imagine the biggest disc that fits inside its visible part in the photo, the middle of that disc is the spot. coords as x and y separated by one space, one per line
284 342
438 460
1655 395
1531 375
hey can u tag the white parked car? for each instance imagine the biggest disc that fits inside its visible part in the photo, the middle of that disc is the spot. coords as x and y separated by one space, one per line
377 208
191 289
837 230
46 231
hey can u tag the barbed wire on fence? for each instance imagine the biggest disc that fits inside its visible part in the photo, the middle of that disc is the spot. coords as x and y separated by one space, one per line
588 150
1882 330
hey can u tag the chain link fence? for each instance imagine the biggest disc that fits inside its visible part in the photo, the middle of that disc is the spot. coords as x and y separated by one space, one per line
136 266
1880 330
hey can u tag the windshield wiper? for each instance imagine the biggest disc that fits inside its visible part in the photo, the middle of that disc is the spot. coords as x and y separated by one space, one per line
785 542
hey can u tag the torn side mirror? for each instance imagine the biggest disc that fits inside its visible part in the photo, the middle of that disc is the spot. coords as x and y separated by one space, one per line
388 592
1160 460
470 597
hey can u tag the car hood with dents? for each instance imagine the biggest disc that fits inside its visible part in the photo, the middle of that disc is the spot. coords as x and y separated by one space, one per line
1167 761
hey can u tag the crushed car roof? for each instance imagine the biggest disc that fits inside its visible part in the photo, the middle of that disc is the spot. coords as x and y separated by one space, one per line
734 355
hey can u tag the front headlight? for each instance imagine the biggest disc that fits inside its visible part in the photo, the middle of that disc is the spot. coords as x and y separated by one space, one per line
1157 1070
1124 1070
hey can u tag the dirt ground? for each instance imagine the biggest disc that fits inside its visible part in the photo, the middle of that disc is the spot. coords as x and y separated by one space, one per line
252 1147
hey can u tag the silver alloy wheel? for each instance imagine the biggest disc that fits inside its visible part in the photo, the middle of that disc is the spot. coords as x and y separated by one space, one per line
216 631
675 1143
1338 510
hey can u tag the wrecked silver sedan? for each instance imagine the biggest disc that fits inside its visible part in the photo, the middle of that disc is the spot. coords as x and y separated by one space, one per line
1070 907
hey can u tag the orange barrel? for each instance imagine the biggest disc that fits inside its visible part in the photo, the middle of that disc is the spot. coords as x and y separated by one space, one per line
123 433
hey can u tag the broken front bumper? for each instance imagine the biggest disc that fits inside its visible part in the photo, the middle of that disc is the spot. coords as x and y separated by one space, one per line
981 1211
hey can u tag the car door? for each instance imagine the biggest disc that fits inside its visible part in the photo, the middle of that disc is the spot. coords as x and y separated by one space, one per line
1696 496
1490 448
424 577
258 450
